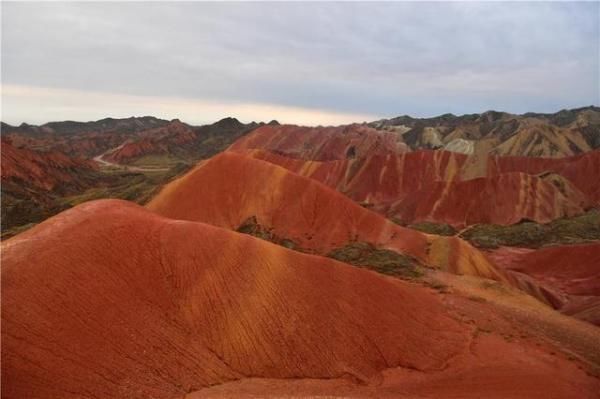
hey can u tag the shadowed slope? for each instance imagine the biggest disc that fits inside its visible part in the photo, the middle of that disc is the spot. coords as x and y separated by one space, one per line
541 140
110 300
163 140
37 171
230 188
572 272
33 182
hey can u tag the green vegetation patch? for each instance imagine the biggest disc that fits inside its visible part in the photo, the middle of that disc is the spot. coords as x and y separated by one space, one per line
138 187
440 229
579 229
157 161
251 227
20 214
383 261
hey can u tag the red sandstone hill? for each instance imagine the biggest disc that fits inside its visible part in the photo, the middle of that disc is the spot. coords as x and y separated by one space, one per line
377 180
162 140
315 218
33 181
229 189
109 300
565 186
502 199
39 170
85 139
321 143
135 305
570 275
126 140
582 170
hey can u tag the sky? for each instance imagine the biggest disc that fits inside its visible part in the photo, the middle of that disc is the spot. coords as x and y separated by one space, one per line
310 63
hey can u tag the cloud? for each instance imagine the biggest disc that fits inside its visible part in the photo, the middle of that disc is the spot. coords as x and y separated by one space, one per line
336 58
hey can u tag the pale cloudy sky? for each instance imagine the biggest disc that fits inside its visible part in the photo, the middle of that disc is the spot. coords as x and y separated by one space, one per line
315 63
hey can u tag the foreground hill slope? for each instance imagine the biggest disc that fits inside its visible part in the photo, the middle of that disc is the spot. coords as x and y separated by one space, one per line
110 300
302 210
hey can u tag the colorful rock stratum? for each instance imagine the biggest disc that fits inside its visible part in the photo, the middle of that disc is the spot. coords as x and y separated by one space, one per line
454 257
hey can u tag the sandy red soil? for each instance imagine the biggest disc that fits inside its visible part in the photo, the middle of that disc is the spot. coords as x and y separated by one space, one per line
110 300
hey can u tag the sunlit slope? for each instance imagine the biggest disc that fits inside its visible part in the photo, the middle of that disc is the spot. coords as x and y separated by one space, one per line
110 300
231 188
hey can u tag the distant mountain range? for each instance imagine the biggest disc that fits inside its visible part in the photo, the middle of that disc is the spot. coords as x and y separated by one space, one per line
564 133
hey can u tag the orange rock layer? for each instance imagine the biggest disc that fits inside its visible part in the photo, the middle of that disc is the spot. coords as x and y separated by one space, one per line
300 209
110 300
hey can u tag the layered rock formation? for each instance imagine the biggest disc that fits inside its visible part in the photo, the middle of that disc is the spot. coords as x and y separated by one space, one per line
565 133
504 199
40 171
321 143
436 185
297 208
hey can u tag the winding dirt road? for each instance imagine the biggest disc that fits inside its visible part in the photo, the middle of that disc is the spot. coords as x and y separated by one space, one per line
107 164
